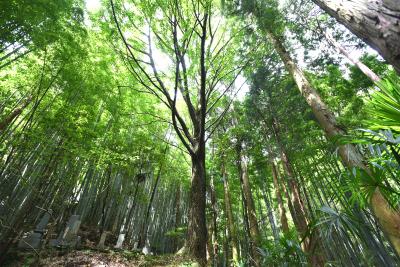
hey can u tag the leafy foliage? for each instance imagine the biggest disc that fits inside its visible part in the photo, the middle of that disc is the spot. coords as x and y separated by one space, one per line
103 114
385 106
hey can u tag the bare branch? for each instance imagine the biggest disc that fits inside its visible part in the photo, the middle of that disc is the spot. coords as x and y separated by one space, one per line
227 88
217 121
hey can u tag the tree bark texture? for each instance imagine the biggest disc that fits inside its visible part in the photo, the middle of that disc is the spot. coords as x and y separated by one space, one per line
197 229
376 22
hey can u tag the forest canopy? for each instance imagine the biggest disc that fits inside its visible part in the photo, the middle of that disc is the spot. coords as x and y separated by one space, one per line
203 132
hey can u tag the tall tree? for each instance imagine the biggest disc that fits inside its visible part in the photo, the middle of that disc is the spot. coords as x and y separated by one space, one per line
199 52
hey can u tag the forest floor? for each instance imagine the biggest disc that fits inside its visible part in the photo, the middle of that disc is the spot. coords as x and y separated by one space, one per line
94 258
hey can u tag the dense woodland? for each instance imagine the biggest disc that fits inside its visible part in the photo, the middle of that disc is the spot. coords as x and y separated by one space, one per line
231 133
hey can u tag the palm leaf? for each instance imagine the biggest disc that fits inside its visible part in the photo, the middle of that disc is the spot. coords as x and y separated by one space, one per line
384 106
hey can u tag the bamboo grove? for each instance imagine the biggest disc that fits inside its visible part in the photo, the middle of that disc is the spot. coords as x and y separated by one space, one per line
231 133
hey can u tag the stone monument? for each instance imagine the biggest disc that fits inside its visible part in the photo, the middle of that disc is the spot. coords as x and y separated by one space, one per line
69 237
33 239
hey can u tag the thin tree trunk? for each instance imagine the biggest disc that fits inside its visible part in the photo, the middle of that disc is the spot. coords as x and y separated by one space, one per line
246 243
14 114
214 229
105 199
364 68
270 212
145 226
376 22
387 217
128 225
232 232
253 223
311 241
177 215
210 251
311 244
278 194
31 199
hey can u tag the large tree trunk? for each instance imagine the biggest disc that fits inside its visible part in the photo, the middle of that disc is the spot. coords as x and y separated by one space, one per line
376 22
232 233
351 157
197 229
388 219
251 210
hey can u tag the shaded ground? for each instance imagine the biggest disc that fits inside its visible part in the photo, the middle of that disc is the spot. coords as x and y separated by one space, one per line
94 258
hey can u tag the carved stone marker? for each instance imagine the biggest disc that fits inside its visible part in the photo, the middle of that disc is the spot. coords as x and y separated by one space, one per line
146 249
41 226
33 239
121 238
30 240
69 237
